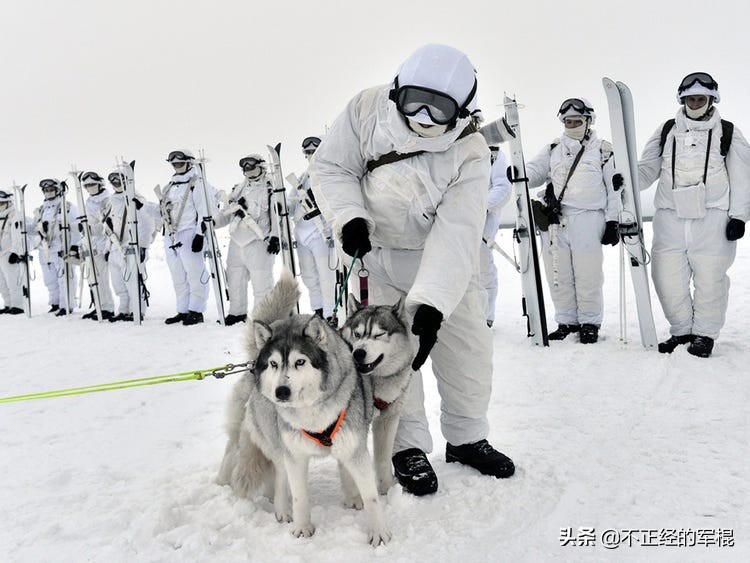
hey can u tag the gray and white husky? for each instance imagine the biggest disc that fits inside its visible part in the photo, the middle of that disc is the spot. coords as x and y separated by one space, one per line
382 352
305 399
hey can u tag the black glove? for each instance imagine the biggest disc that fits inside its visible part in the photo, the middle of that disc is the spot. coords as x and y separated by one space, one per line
273 245
242 202
617 181
735 229
197 244
611 234
106 256
74 251
356 238
108 222
80 227
512 172
138 203
142 254
426 324
14 258
239 213
45 226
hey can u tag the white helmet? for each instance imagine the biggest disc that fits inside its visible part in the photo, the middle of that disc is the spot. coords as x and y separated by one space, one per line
252 160
576 107
698 84
436 85
180 156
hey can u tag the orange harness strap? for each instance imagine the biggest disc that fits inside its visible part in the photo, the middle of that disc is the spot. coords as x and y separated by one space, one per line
325 438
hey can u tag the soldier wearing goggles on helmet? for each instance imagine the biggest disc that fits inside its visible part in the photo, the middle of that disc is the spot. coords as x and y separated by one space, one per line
11 255
702 164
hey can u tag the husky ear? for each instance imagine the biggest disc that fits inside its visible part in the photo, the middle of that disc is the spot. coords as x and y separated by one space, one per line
316 329
352 304
262 333
399 309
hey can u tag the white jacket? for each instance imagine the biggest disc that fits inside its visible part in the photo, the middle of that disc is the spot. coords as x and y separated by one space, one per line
11 239
256 224
97 208
498 196
305 230
49 222
436 201
590 186
187 186
727 181
118 214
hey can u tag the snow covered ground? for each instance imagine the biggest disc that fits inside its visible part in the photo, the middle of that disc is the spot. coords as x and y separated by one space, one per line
604 437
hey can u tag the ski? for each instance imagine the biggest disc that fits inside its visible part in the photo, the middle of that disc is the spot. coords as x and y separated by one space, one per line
66 258
622 122
218 277
87 246
532 300
21 199
134 274
280 209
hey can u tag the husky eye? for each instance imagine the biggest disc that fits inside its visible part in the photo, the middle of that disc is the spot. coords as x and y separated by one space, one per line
357 334
273 364
378 335
299 363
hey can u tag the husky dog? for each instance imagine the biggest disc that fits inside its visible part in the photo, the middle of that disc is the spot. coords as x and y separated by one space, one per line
304 399
382 352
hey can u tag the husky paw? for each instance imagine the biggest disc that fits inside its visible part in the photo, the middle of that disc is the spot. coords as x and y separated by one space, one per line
384 485
379 536
354 501
283 516
303 531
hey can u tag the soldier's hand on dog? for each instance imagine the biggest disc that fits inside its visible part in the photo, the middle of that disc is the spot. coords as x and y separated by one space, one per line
426 324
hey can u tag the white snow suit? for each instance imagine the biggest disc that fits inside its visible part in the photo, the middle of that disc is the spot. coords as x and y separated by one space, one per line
248 259
499 195
183 207
425 216
317 261
695 249
49 225
572 250
12 276
97 208
120 269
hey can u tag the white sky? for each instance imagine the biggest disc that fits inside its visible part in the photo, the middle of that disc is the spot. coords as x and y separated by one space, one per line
86 80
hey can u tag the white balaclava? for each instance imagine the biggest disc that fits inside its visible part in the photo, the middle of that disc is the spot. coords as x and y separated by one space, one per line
579 132
444 69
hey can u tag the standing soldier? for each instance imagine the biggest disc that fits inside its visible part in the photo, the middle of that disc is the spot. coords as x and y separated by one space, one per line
314 240
252 247
11 256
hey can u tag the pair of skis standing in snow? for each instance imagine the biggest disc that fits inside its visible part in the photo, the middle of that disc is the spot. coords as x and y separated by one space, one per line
706 212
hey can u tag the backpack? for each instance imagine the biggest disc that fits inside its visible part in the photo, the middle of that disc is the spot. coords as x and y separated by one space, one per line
727 130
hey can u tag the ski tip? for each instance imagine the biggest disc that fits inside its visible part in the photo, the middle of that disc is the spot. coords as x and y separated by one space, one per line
277 148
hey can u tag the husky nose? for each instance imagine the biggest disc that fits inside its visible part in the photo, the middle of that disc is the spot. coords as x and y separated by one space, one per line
283 393
359 355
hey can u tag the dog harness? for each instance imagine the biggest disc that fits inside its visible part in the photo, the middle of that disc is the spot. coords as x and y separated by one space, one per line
325 437
380 404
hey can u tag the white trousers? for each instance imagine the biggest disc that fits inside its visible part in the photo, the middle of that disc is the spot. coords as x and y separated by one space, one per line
122 284
53 273
573 268
11 282
317 275
187 269
102 276
488 278
248 263
461 358
696 250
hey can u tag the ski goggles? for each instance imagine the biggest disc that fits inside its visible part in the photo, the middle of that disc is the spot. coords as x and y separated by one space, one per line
251 162
178 156
702 78
577 105
441 108
115 178
49 184
310 142
91 178
4 197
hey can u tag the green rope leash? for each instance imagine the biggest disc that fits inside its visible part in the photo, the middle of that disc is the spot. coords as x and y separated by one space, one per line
344 285
218 373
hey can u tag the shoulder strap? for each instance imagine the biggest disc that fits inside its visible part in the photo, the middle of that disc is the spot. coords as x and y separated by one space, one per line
727 130
393 156
668 124
570 172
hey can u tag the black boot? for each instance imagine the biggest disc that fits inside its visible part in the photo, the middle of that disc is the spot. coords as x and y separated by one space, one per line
193 318
14 311
91 315
563 331
4 310
668 346
178 318
61 312
234 319
701 346
589 334
482 457
414 472
53 308
108 315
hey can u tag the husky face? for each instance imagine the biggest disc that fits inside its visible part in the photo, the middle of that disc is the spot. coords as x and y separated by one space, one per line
292 364
378 336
